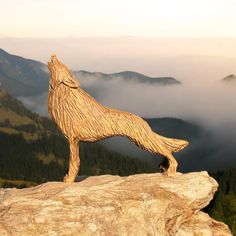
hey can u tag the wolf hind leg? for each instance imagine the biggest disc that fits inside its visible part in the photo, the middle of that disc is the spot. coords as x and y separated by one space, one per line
170 168
154 143
139 132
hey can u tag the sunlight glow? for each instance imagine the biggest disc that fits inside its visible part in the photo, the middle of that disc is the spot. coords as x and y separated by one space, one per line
149 18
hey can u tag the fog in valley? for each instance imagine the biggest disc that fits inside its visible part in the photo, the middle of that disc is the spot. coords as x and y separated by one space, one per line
211 106
200 64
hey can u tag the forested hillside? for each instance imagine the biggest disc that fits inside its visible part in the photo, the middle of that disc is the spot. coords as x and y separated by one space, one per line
223 206
33 151
45 159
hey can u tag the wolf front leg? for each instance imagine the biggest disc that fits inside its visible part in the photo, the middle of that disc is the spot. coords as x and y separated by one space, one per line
74 162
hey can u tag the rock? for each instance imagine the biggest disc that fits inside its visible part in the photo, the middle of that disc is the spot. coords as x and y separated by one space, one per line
144 204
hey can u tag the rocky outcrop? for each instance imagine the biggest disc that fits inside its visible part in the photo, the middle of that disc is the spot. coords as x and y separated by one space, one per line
145 204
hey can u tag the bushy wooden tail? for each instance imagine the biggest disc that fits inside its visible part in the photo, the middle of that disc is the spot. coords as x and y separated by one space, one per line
174 145
138 131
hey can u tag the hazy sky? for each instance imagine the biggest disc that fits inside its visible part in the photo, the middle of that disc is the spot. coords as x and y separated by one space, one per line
185 59
150 18
186 39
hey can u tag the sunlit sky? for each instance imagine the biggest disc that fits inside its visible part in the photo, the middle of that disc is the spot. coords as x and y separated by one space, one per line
145 18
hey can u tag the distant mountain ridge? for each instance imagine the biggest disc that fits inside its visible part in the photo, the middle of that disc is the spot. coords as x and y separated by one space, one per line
130 76
22 77
230 78
25 77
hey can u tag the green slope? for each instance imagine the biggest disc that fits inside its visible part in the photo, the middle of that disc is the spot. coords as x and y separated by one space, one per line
33 151
16 119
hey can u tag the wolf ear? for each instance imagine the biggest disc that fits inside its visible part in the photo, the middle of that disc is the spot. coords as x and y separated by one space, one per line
71 82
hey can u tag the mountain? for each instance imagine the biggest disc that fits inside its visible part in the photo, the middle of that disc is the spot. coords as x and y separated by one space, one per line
22 77
25 77
128 76
16 119
175 128
230 78
28 80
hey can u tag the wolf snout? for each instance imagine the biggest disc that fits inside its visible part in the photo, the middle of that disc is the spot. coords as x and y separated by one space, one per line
53 57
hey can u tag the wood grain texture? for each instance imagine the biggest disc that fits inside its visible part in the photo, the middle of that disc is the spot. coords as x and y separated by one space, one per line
81 118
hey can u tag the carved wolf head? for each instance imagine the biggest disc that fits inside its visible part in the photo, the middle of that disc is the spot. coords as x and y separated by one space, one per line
60 74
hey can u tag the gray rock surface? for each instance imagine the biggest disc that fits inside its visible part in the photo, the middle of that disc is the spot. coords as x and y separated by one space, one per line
144 204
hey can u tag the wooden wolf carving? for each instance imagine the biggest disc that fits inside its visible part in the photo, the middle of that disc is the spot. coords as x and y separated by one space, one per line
81 118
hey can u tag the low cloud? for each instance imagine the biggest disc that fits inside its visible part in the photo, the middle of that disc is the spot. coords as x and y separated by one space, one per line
36 104
210 105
